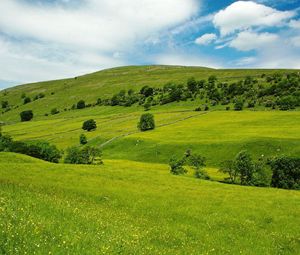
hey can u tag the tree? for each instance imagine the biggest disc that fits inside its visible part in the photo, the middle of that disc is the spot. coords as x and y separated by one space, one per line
147 91
87 155
197 162
4 104
228 167
192 85
176 166
80 104
26 100
146 122
238 106
83 139
26 115
89 125
54 111
245 167
286 172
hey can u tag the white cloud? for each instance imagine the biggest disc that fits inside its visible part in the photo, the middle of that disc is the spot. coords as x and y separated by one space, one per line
56 41
187 60
242 15
248 40
206 39
295 41
295 24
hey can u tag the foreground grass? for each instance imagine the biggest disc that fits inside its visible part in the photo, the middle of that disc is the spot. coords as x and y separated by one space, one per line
126 207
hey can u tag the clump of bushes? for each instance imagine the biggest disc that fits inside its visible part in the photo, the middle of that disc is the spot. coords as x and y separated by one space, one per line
89 125
146 122
86 156
195 161
37 149
83 139
26 115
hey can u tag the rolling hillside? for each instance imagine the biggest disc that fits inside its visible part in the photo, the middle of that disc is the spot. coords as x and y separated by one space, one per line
125 207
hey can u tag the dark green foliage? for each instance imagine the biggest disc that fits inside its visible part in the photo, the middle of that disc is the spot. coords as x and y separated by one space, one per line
26 100
176 166
147 91
4 104
146 122
245 167
26 115
87 155
286 173
38 149
287 103
228 167
239 105
54 111
192 85
89 125
83 139
80 104
23 95
197 162
198 109
39 96
99 101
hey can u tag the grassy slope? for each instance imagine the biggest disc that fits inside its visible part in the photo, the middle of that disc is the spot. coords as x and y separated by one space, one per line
105 83
127 207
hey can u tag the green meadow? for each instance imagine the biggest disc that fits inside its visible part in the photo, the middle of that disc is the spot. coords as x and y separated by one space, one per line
132 204
125 207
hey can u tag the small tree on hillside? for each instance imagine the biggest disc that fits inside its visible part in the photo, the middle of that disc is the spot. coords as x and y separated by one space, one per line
80 104
176 166
192 85
146 122
228 167
89 125
245 167
26 100
4 104
83 139
26 115
197 162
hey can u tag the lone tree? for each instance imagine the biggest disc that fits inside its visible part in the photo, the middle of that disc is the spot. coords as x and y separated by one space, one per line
89 125
80 104
83 139
26 100
146 122
26 115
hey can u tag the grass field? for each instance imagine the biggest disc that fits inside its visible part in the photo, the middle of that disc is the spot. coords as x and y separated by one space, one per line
217 135
132 204
125 207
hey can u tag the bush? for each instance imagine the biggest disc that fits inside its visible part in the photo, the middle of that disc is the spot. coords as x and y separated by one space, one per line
26 115
26 100
176 166
54 111
239 105
89 125
87 156
83 139
245 167
4 104
286 173
80 104
198 163
146 122
198 109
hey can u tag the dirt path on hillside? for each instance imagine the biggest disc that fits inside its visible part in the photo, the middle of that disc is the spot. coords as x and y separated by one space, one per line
159 126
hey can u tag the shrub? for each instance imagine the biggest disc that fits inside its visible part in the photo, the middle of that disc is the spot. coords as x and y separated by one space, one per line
26 115
228 167
83 139
245 167
176 166
80 104
87 155
89 125
198 109
4 104
54 111
286 173
26 100
198 163
239 105
146 122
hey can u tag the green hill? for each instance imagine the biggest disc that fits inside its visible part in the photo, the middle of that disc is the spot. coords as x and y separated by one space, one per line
125 207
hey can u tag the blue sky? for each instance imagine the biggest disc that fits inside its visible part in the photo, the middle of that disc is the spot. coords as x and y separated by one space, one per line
53 39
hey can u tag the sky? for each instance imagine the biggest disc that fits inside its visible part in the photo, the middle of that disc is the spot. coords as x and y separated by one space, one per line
54 39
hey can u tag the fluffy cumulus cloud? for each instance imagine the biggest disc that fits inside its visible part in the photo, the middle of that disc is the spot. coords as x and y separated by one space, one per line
242 15
206 39
82 35
271 36
248 40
